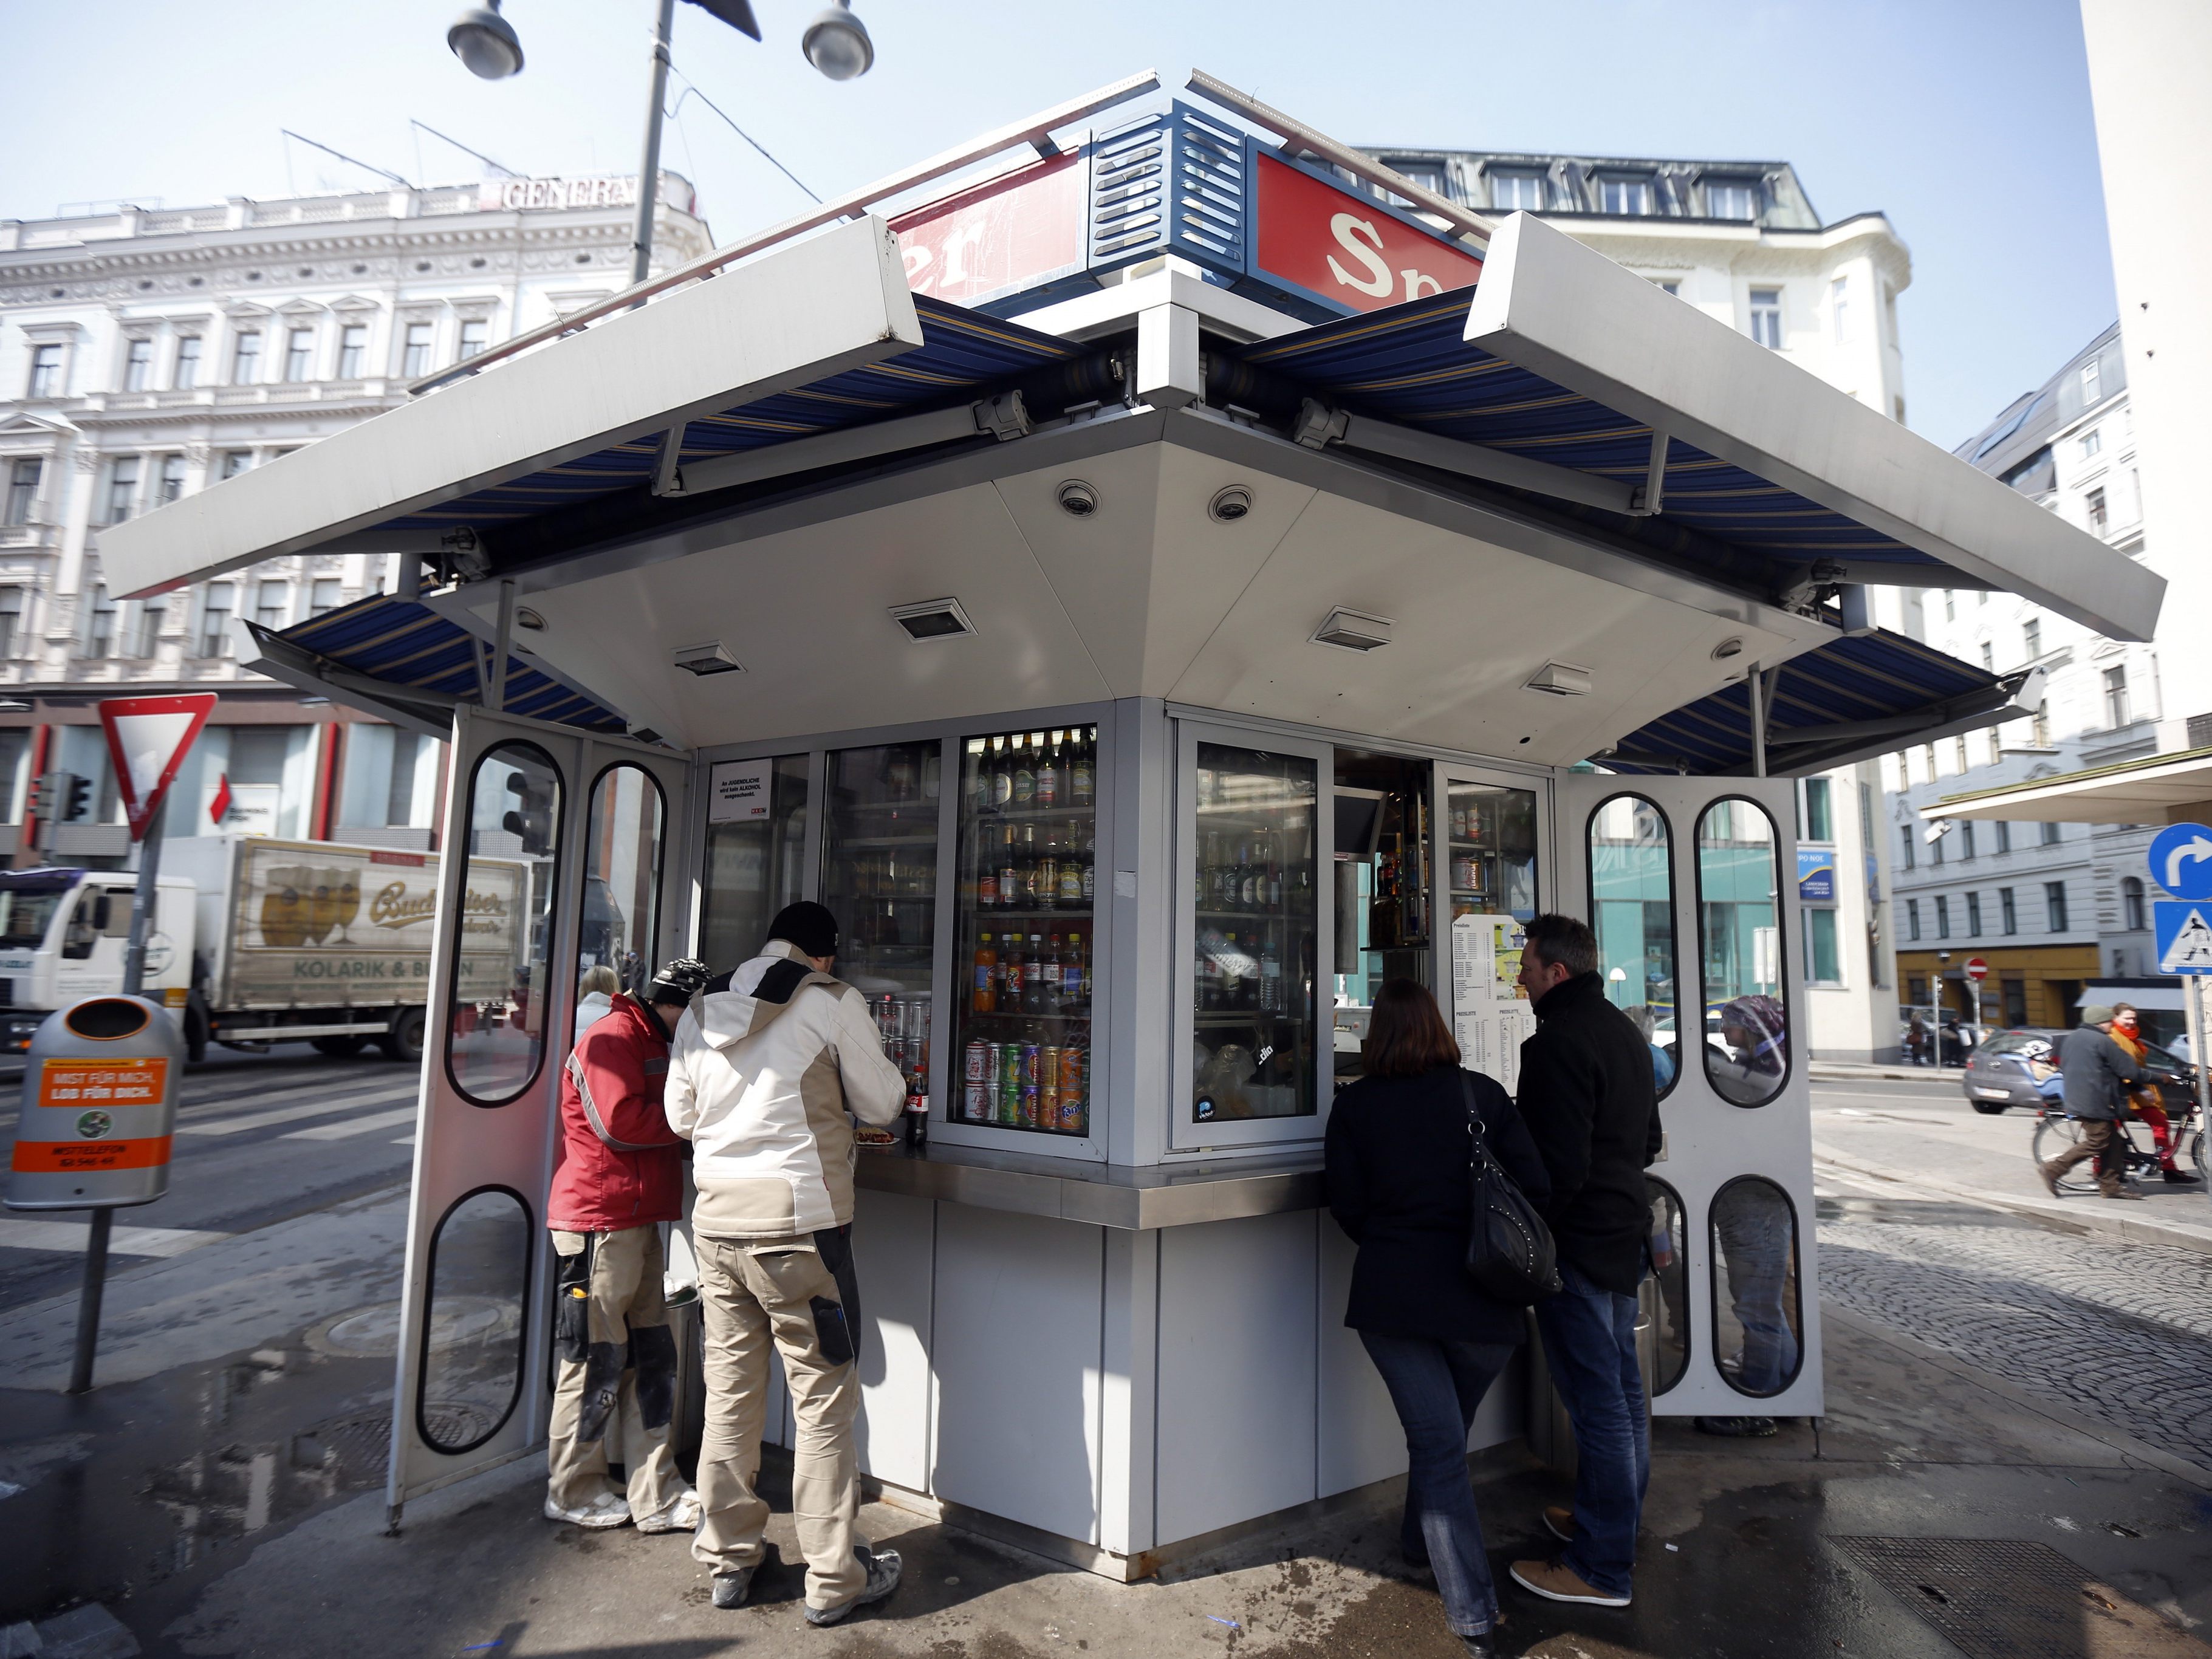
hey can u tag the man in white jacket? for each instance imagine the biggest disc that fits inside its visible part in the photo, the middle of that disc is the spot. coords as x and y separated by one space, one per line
762 1077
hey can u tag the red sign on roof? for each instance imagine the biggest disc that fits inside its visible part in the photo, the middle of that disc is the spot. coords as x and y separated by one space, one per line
1008 233
1340 246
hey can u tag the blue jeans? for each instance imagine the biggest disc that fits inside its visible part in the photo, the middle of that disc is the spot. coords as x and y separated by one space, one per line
1437 1387
1589 1341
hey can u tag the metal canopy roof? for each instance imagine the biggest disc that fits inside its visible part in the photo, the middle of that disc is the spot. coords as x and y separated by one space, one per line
2169 789
1858 696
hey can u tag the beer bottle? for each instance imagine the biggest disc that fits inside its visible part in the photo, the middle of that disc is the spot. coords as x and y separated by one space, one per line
1071 880
1082 780
1010 878
1056 983
1047 874
987 962
1089 870
1034 998
1047 772
1025 772
1027 866
1002 775
1070 972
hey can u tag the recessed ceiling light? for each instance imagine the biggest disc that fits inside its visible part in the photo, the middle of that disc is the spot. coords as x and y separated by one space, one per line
1561 679
1230 505
1352 631
932 619
712 658
1730 647
525 617
1077 499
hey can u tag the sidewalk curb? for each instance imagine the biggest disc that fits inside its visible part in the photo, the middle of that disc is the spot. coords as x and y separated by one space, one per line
2068 1214
1850 1071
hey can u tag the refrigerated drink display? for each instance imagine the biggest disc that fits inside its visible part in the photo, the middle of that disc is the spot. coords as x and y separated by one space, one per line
1025 949
1253 934
879 880
1492 836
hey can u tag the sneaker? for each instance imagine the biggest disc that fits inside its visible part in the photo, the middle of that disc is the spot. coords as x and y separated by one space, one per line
883 1579
1481 1647
2181 1178
607 1509
731 1589
1559 1521
682 1514
1555 1581
2050 1179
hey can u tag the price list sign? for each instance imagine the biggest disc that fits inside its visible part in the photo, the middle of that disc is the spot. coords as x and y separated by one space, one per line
1491 1017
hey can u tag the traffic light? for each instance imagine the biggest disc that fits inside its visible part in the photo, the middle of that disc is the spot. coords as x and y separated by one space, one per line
35 803
76 796
531 818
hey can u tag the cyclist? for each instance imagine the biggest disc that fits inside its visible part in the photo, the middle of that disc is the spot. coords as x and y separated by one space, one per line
2143 1097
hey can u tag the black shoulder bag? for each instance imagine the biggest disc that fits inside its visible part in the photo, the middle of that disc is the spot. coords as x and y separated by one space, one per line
1509 1253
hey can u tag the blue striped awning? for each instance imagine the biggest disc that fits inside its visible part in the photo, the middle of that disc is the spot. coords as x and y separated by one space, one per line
961 351
1855 679
1409 365
409 646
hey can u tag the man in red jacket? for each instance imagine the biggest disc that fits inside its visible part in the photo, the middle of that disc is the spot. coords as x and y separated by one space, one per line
621 1175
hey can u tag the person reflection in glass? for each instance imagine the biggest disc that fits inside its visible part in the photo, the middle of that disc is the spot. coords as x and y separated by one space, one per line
1753 1228
1754 1052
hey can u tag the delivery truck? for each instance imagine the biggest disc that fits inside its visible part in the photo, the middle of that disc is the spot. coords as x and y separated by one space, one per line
257 941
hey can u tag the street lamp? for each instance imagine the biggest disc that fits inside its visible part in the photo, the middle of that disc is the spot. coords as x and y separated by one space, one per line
836 43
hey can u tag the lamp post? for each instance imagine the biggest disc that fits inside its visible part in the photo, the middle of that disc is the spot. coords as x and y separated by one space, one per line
836 43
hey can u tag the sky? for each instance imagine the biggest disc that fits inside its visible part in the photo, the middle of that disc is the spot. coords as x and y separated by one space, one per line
1968 122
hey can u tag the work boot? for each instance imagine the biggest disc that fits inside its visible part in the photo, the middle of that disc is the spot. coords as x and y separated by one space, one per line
2122 1192
1481 1647
1555 1581
1736 1428
607 1509
883 1579
731 1589
682 1514
2180 1178
1559 1521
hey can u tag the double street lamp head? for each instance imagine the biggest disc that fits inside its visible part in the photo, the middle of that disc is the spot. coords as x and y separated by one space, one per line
835 42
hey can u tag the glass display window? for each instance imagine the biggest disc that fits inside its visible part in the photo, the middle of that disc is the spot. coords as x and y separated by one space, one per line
1025 947
755 859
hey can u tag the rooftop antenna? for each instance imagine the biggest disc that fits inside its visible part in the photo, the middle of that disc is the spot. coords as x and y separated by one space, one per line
503 170
351 161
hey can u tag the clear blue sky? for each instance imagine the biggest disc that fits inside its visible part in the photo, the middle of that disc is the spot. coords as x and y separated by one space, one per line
1967 121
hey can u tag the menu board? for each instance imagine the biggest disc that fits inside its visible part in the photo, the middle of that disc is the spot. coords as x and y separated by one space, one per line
1490 1016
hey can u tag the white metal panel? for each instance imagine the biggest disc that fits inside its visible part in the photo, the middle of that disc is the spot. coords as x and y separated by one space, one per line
1358 1438
1019 1310
894 1249
1129 1399
1573 315
807 311
1237 1371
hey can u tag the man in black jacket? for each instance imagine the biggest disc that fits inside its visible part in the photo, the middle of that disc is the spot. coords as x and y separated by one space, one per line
1588 1097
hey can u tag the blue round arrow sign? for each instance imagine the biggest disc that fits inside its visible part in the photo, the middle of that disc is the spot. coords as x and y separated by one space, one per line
2181 861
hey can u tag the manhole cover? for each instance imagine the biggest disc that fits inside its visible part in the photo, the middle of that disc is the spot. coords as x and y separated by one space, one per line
2001 1598
453 1424
361 1444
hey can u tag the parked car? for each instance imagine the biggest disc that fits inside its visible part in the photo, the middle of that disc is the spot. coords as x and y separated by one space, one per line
2019 1068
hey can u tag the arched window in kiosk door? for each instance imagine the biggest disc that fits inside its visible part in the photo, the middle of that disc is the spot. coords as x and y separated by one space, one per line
623 841
1758 1325
1667 1291
470 1372
1631 910
1744 1033
496 1039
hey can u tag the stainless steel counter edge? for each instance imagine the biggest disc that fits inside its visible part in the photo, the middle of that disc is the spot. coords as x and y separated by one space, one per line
1104 1196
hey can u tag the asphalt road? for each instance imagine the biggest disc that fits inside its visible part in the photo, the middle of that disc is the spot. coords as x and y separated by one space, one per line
260 1138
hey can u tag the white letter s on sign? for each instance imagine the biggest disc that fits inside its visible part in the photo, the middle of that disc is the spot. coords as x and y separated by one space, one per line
1369 254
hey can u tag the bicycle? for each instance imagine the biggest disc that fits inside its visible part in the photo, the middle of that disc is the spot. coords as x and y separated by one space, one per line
2136 1154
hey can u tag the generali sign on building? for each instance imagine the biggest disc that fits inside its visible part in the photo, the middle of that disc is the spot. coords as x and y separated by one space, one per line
1180 182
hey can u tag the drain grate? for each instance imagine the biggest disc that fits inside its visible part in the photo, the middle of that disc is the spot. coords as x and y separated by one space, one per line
2001 1598
362 1445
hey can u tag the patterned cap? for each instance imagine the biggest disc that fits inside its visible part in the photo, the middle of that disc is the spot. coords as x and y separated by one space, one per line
679 981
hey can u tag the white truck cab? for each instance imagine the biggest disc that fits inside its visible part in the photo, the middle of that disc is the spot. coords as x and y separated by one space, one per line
62 935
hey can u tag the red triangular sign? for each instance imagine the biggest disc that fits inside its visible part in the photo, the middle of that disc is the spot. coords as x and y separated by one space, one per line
148 739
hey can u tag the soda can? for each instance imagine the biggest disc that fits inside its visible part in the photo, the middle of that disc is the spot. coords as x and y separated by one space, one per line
1029 1107
1071 1090
976 1101
1010 1083
1049 1087
975 1063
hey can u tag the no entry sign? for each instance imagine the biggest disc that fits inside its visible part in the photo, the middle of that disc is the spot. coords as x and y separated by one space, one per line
1977 969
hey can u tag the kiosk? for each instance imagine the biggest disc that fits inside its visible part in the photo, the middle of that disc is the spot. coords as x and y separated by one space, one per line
1151 593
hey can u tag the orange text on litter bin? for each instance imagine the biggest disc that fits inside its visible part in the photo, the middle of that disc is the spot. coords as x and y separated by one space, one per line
104 1082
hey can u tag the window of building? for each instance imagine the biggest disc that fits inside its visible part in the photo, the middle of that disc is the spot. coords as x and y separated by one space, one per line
1904 839
269 604
172 487
1988 656
11 619
2054 905
2007 913
300 355
2031 637
2116 695
2092 441
2003 828
1912 919
1669 285
2051 835
1766 317
1518 192
1840 307
387 778
235 461
99 625
1624 195
188 363
215 620
2131 904
2090 394
476 332
2100 515
415 356
1959 751
23 478
1942 915
1428 172
353 351
1935 848
138 366
245 359
1734 198
1818 810
2040 727
1973 915
324 597
1966 838
45 371
146 630
122 488
1823 964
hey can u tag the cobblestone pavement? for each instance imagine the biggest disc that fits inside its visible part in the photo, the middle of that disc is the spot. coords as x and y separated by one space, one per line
2122 1333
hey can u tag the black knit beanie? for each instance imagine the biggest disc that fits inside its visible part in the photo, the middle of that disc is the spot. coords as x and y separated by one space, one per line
808 926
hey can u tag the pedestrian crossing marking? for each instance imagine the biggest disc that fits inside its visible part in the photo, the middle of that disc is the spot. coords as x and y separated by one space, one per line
358 1126
2188 949
324 1108
18 1233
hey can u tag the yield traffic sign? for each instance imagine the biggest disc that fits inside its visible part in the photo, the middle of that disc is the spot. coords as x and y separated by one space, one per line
2181 861
2185 936
146 740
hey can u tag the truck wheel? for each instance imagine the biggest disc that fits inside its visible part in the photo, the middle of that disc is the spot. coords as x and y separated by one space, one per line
339 1047
403 1041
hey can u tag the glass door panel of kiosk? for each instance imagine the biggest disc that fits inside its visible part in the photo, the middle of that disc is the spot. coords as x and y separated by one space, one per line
755 853
1025 947
881 813
1382 896
1256 936
1490 831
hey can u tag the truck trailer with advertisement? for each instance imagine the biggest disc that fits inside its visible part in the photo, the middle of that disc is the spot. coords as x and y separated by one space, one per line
258 941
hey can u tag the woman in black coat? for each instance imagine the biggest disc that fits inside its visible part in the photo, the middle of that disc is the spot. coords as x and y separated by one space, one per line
1398 1159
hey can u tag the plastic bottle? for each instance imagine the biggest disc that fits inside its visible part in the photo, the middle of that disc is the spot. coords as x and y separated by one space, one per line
1271 979
985 996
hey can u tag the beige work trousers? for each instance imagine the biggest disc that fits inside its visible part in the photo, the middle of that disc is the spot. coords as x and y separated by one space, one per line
622 1295
753 1292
